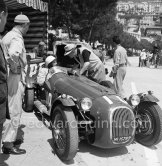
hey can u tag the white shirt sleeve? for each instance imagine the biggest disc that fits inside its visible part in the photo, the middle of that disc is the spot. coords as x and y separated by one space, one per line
42 76
16 47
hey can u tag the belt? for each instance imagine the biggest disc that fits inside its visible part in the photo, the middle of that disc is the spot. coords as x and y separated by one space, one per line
122 64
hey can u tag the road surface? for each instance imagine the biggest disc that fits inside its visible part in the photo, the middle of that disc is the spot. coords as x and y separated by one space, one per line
38 139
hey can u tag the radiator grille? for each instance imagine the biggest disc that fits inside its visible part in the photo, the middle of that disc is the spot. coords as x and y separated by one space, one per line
122 125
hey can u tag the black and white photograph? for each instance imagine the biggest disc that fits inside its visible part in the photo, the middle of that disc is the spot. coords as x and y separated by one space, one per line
80 82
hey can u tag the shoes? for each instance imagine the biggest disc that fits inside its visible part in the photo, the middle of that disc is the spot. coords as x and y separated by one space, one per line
18 142
13 150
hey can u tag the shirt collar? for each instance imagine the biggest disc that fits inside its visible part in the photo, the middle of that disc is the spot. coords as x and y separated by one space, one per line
118 45
15 29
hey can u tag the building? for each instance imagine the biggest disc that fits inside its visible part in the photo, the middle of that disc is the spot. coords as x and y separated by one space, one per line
37 11
155 30
148 10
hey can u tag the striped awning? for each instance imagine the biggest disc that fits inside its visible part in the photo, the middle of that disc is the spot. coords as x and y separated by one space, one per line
35 4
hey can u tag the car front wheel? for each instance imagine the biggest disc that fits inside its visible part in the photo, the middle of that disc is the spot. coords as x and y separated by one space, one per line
149 130
64 132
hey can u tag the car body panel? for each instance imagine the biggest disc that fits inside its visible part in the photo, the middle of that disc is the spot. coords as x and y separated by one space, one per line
104 103
147 97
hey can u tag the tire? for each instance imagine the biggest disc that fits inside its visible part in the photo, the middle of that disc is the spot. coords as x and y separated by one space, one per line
151 134
67 132
28 103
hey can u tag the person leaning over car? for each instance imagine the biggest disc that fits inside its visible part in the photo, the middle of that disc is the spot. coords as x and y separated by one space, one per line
120 62
87 61
16 58
3 71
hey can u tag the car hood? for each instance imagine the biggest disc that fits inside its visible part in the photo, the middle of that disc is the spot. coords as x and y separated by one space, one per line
78 87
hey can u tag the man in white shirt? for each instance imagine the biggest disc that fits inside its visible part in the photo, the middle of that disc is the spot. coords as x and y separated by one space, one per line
16 58
120 63
143 57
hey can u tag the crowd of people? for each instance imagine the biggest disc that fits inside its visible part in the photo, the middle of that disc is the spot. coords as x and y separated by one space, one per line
150 58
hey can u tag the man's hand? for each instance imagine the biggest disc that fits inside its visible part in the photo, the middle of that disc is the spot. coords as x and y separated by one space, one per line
76 72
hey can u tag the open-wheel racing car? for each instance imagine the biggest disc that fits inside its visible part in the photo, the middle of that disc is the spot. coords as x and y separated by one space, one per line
79 108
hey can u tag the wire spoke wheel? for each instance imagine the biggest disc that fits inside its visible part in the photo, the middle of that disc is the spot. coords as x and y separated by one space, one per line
65 134
59 133
149 131
147 125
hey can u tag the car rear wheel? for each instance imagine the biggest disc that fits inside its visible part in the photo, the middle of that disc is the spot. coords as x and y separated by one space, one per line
149 132
28 102
65 133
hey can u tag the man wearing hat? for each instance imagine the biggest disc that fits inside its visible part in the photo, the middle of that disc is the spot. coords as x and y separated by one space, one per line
87 61
16 58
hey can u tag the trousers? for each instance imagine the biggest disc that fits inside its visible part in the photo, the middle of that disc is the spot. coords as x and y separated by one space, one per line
118 81
15 108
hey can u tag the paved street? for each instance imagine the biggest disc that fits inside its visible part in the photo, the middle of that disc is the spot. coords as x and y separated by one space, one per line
38 138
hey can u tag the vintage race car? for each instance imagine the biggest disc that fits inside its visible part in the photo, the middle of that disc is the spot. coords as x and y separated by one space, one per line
79 108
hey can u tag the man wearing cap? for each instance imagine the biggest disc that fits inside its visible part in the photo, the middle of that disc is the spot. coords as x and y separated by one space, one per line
50 68
87 61
16 58
45 73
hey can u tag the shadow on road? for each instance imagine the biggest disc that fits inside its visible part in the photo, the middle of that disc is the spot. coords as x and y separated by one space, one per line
3 158
50 141
96 151
84 147
43 118
20 134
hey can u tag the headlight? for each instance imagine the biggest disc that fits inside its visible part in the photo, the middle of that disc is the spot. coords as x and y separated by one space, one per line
134 99
86 103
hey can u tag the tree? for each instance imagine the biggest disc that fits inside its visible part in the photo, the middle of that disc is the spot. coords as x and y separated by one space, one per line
81 17
145 44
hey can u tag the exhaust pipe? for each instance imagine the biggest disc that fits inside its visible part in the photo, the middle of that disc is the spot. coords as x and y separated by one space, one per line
41 107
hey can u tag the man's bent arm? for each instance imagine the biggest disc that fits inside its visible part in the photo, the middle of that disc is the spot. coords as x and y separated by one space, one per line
85 67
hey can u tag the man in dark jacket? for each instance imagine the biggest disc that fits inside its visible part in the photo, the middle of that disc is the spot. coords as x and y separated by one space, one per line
3 71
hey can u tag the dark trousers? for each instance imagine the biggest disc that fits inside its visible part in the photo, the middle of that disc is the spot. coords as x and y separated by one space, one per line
1 128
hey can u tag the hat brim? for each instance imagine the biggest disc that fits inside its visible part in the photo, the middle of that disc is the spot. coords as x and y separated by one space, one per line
69 52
